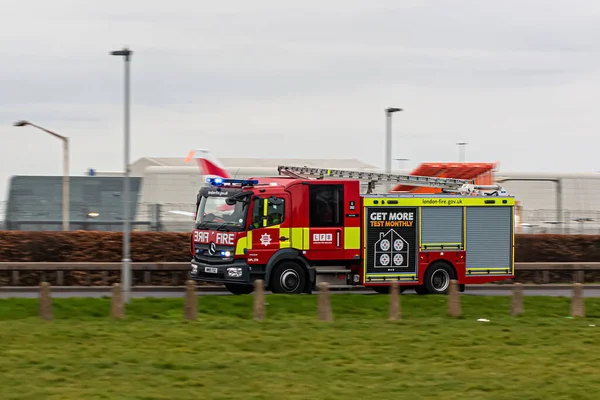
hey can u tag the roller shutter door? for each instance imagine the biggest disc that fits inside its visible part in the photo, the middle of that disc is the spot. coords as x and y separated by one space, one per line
441 226
489 237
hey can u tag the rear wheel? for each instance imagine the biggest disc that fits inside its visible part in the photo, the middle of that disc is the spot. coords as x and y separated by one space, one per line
288 277
437 278
237 288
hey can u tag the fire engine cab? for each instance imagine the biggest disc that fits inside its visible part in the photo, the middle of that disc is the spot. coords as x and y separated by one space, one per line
315 225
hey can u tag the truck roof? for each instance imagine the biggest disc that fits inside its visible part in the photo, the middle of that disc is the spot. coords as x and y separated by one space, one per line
285 181
282 181
271 183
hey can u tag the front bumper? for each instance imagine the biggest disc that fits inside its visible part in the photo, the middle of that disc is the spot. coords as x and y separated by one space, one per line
235 272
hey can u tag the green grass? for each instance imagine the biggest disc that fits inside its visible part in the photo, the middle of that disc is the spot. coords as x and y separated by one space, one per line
156 354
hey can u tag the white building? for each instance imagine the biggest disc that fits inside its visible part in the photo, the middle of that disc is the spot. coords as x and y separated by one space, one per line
541 195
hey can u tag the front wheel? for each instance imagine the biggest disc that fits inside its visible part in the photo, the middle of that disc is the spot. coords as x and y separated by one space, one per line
438 277
288 277
236 288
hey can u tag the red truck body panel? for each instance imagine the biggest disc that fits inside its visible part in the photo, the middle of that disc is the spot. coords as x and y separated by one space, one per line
328 222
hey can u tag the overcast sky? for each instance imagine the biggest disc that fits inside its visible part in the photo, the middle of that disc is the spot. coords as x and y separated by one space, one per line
516 79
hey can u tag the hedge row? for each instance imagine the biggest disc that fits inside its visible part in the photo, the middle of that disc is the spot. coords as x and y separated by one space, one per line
94 246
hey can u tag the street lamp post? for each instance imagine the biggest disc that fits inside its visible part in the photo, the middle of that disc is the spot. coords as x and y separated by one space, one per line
126 262
388 142
65 179
461 151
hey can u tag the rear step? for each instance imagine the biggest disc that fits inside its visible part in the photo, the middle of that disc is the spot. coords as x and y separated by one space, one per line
325 271
337 277
347 287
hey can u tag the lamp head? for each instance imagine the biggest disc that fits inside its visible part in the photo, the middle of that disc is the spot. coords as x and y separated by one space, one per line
392 109
21 123
124 52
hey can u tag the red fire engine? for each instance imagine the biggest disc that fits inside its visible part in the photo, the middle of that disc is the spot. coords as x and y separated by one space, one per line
293 231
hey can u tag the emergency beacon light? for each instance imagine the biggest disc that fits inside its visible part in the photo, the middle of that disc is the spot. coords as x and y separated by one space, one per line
231 182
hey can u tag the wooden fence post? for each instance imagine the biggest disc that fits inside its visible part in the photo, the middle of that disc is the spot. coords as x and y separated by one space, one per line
45 301
454 308
117 310
191 300
325 313
577 301
259 300
394 301
517 300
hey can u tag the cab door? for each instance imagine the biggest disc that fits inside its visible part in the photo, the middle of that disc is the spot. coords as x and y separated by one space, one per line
268 230
326 221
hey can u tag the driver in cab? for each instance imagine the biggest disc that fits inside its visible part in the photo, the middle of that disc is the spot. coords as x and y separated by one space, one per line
274 218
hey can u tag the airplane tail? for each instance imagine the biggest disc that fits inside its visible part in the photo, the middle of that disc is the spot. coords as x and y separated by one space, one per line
209 166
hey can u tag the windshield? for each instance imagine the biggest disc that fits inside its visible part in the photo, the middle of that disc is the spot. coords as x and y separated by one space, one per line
214 213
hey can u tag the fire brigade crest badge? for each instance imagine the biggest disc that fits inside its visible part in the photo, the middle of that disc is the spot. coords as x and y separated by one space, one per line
265 239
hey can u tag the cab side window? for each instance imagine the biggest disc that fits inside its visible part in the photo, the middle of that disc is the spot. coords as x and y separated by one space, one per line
326 205
265 213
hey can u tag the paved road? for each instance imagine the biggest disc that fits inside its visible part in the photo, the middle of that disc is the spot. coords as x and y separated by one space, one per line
32 293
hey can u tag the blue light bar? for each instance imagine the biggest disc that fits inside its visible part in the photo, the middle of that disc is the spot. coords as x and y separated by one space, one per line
231 182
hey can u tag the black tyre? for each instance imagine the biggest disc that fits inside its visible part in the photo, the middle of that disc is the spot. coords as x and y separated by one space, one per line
421 290
381 289
237 288
437 278
287 277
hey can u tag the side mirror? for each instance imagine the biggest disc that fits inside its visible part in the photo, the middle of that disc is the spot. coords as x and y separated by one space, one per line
230 202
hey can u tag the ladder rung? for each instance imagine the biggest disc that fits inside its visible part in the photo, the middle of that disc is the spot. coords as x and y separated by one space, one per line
412 180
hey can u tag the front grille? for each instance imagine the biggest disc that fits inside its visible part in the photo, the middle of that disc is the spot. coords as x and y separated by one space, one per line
201 253
201 274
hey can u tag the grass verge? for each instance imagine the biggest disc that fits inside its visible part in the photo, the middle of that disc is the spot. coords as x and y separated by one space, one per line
155 354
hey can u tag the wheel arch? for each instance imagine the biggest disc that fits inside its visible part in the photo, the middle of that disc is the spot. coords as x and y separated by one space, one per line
292 255
440 261
437 262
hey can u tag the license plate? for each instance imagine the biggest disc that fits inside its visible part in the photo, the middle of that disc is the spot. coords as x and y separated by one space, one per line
210 270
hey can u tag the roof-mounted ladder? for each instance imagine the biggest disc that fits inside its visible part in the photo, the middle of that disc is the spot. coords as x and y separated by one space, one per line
446 184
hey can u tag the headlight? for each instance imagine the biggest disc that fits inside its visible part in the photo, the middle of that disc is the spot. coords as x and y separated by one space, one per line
234 272
194 269
226 253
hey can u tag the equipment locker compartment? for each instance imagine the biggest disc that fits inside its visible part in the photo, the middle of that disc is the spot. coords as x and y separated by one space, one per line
490 232
405 234
391 247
